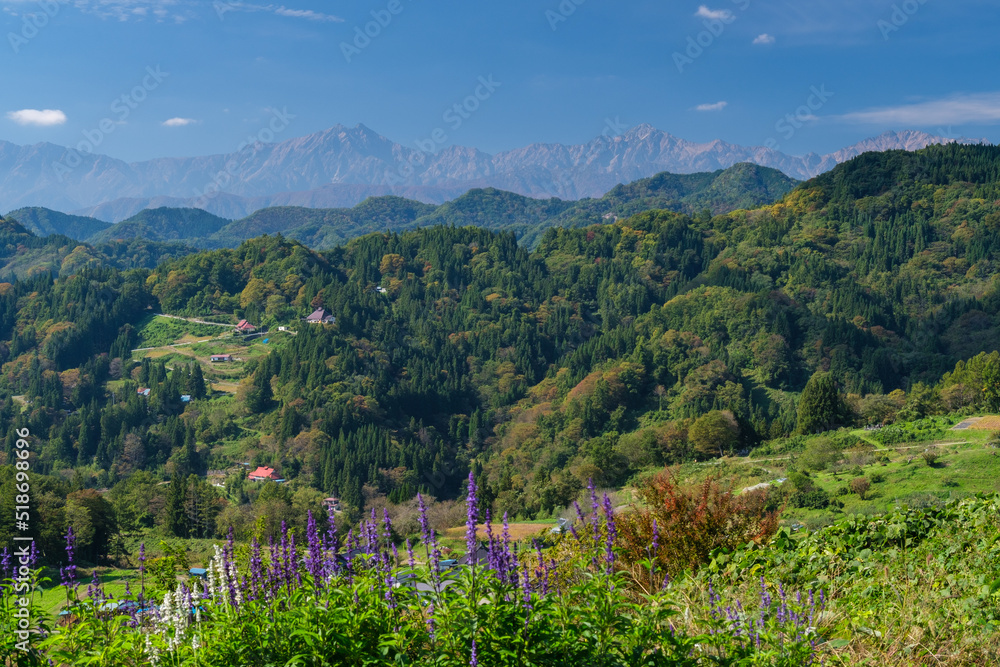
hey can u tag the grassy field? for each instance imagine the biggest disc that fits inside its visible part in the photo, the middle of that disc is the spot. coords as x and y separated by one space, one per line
518 531
899 474
155 331
223 376
53 596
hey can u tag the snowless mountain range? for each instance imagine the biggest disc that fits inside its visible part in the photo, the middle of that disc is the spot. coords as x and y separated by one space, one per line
342 166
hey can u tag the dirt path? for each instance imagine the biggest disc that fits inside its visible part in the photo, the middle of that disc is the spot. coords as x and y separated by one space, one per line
191 319
173 345
747 459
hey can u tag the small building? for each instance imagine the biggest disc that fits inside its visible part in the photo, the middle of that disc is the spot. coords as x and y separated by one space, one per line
198 572
245 327
282 328
331 504
186 398
263 474
143 391
320 316
221 358
381 290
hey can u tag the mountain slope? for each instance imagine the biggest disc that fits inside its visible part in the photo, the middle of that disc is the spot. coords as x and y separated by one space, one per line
164 224
343 166
741 186
45 222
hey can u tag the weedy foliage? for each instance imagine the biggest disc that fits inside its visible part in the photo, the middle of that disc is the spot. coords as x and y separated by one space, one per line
330 600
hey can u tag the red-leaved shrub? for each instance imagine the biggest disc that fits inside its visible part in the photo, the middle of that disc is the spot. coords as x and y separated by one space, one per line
690 524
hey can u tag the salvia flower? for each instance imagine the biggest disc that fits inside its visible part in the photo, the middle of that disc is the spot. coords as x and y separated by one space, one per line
69 572
471 522
609 517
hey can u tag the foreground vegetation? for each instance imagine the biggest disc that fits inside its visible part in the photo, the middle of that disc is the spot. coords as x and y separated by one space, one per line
671 583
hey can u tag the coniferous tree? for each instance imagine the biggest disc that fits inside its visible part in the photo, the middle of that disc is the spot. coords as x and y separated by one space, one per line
821 407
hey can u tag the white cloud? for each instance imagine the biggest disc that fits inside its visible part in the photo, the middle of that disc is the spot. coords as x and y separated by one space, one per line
178 11
959 109
764 39
306 14
713 14
718 106
38 118
127 10
222 7
179 122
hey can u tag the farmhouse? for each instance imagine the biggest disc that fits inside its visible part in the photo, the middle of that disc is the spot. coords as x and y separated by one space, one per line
320 316
245 327
263 474
331 504
221 358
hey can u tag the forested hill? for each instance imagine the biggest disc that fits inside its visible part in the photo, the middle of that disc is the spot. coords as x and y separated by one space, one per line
23 254
741 186
608 349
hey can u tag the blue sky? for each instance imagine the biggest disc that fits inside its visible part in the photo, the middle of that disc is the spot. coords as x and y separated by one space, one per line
562 71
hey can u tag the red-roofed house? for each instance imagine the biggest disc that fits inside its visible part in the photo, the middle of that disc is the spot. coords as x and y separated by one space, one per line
263 474
245 327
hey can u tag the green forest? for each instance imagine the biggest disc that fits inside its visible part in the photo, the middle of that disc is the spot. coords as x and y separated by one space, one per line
865 296
740 186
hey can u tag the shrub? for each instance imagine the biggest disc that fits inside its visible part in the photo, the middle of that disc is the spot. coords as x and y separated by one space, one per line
877 478
930 457
820 454
816 499
692 523
861 486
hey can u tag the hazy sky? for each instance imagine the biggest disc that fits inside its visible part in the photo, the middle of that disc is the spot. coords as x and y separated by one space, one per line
154 78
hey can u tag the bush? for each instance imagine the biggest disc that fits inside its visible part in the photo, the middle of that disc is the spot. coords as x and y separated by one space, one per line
930 457
820 454
861 486
877 478
817 499
692 523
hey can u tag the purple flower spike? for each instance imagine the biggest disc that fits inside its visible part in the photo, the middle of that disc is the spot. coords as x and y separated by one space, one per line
425 525
609 517
473 659
314 556
472 522
69 572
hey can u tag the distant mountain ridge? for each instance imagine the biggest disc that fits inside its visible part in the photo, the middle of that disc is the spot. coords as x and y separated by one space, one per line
341 167
740 186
